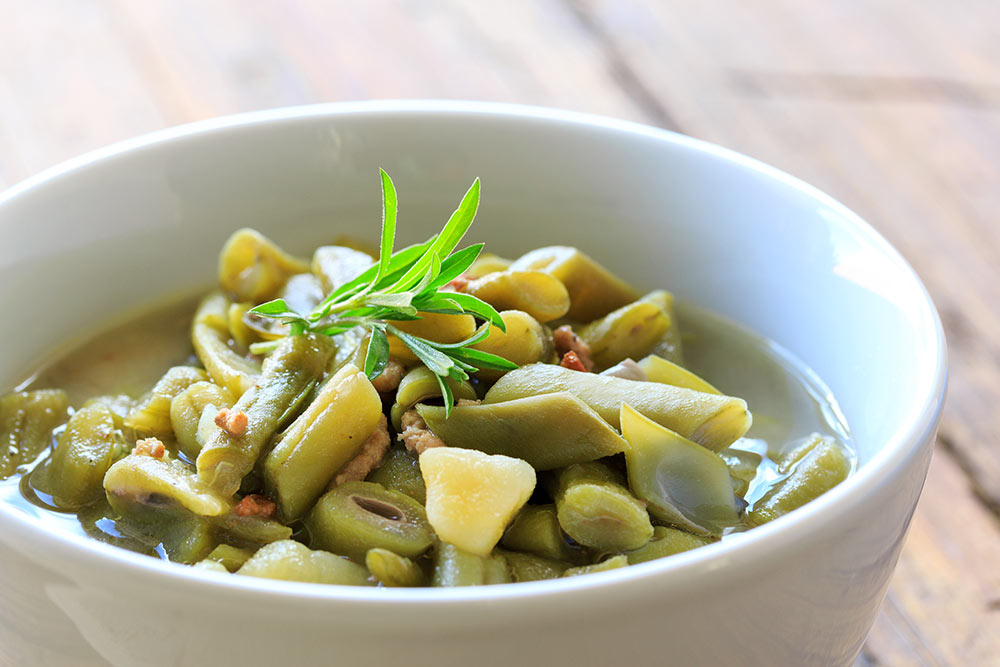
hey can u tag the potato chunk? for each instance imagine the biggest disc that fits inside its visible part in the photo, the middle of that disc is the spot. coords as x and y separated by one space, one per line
472 496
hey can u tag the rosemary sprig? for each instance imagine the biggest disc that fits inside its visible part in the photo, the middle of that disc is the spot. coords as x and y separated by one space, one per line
399 287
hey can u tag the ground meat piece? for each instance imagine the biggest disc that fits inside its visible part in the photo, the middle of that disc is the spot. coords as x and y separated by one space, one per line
256 505
233 422
389 378
572 362
627 369
416 436
149 447
567 341
368 457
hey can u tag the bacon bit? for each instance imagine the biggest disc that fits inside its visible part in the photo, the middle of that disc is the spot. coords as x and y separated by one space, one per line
572 362
458 284
368 458
416 436
149 447
566 340
233 422
256 505
390 377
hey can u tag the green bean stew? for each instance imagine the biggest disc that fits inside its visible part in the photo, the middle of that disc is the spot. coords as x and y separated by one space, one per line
426 417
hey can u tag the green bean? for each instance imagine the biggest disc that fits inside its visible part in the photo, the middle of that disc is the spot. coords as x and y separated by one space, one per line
788 459
82 456
669 346
666 542
211 566
26 422
825 466
596 510
658 369
548 431
683 483
391 569
536 530
249 531
454 566
226 458
229 557
525 341
538 294
357 516
321 440
742 468
151 415
253 268
335 265
120 406
593 290
487 262
629 332
528 567
290 561
188 418
139 481
710 420
168 528
209 336
605 565
438 327
400 471
420 384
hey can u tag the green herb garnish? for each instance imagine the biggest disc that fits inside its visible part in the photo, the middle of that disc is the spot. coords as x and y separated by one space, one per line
400 287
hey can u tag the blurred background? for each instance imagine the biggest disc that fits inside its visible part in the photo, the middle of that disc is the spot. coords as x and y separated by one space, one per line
892 107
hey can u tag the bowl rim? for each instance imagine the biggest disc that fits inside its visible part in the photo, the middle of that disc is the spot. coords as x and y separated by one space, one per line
756 545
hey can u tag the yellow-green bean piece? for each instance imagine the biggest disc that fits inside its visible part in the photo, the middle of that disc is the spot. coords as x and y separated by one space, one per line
548 431
151 415
229 557
593 290
400 471
253 268
669 346
289 560
420 384
796 452
628 332
249 531
227 457
188 411
664 371
596 509
210 336
82 456
487 263
321 440
454 566
354 517
211 566
605 565
145 480
742 468
708 419
393 570
682 482
666 542
335 265
26 422
529 567
526 341
823 468
120 406
537 293
438 327
536 530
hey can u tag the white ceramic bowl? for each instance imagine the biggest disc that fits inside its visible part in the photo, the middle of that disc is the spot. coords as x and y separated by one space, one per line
144 219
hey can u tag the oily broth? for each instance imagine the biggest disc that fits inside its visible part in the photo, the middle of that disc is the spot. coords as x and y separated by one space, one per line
788 402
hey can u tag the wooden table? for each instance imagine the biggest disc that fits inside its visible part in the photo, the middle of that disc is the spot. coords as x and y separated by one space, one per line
893 107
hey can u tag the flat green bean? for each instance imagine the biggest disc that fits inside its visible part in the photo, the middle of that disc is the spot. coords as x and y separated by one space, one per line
26 422
291 561
595 509
391 569
82 456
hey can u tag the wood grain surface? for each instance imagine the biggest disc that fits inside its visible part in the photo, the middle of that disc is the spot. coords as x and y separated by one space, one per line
892 107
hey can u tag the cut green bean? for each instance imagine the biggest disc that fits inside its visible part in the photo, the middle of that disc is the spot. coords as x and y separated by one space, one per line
249 531
742 468
188 417
82 456
548 431
147 481
357 516
823 468
291 561
596 509
209 336
253 268
26 422
321 440
664 371
529 567
420 384
400 471
391 569
151 415
536 530
227 457
612 563
229 557
666 542
629 332
454 566
710 420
